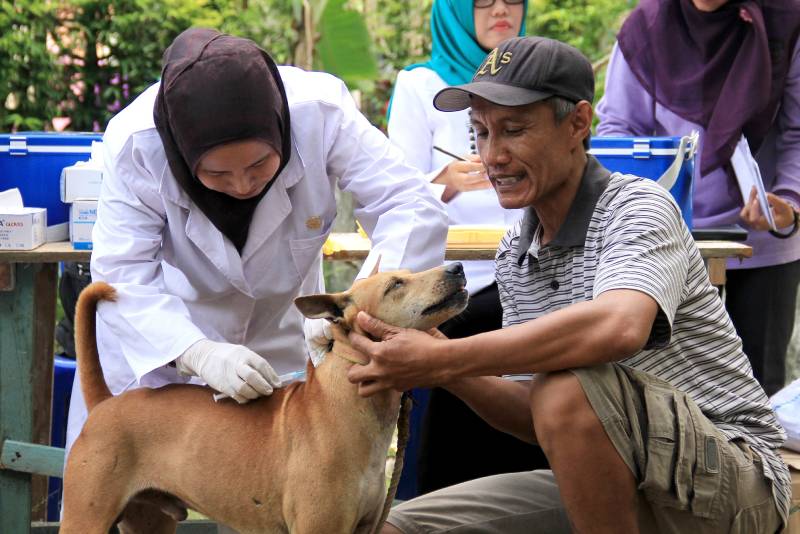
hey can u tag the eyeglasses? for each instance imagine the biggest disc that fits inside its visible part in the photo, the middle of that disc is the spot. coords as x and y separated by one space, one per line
480 4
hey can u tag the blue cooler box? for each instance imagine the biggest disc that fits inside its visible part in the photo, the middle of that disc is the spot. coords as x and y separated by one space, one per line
32 162
667 160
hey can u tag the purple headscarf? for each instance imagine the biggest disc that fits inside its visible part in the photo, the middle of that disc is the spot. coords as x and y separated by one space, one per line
724 70
215 89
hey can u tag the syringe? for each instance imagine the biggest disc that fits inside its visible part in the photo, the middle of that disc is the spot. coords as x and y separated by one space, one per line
286 379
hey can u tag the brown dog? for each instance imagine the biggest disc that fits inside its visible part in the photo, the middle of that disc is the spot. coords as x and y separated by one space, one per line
309 458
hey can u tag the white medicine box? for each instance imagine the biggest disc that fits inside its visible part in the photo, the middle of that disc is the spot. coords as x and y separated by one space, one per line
82 216
80 181
22 228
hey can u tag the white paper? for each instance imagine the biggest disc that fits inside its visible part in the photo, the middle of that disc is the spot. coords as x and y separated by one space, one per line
10 199
97 154
748 175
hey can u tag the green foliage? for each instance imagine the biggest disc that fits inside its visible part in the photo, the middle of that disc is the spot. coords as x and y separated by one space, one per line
344 47
86 59
272 24
400 32
30 83
589 25
114 51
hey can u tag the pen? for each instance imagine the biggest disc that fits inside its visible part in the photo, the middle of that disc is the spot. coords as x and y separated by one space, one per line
443 151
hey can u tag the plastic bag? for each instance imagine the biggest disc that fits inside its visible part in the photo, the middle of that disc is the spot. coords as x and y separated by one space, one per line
786 404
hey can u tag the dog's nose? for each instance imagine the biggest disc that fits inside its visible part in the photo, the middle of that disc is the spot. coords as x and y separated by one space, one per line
455 268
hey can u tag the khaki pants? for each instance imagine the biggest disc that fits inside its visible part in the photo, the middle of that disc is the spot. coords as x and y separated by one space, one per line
691 478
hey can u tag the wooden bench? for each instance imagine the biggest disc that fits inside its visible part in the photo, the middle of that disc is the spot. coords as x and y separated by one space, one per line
792 459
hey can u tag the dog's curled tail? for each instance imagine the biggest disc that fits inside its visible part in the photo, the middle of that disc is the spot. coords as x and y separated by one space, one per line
93 383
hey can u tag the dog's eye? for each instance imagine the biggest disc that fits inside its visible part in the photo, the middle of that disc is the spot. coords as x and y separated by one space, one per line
396 283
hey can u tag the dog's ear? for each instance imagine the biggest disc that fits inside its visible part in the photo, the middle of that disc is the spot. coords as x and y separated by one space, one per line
323 306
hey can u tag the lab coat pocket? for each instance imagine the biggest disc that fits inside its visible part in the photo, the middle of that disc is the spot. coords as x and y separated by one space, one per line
305 252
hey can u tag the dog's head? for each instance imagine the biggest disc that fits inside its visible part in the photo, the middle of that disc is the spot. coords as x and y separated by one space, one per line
401 298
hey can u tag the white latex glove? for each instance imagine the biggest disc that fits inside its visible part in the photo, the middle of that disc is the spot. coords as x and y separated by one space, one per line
233 370
318 338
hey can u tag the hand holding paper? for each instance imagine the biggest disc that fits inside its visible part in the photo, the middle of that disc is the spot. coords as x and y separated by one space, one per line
751 186
753 216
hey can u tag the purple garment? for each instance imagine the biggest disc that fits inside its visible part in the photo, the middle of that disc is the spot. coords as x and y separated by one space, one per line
627 109
724 69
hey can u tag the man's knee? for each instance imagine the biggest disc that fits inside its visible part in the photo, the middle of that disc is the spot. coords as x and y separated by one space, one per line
388 528
559 408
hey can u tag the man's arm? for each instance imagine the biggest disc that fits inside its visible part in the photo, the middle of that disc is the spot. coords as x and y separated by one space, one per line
612 327
502 403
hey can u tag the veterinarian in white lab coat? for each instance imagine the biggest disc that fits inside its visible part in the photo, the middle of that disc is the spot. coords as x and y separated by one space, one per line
218 199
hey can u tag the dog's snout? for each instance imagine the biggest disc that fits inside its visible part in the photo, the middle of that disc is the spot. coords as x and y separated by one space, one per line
455 268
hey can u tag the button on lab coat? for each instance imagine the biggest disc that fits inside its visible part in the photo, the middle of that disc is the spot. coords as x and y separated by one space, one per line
180 280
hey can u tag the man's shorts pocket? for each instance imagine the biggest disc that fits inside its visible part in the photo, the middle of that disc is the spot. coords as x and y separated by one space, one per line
754 519
682 461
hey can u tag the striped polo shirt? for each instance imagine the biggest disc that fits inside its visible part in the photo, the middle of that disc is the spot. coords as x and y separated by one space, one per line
625 232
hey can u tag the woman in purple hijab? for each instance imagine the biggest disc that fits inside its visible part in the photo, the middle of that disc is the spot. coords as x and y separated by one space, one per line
727 68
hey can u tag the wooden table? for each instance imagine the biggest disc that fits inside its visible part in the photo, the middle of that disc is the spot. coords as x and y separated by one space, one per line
27 321
715 253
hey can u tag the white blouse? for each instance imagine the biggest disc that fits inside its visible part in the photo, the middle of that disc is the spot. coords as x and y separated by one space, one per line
416 126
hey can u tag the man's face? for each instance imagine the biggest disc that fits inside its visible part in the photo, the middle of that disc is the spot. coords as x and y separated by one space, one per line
526 154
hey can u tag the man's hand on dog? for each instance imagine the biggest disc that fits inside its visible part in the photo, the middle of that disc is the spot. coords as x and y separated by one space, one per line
399 361
233 370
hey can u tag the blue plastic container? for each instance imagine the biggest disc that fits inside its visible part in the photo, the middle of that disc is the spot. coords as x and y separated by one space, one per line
407 486
667 160
32 162
63 376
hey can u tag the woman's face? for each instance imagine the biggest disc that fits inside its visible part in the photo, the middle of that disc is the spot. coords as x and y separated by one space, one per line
496 23
709 5
240 169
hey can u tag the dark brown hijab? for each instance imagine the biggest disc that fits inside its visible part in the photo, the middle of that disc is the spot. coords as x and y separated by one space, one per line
216 88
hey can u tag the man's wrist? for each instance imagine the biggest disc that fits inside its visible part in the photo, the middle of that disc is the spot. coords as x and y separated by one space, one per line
451 361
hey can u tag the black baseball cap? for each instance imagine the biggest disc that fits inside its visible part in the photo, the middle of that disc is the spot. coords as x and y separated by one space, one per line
524 70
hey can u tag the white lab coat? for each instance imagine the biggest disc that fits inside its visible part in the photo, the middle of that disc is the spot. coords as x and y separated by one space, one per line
180 280
415 126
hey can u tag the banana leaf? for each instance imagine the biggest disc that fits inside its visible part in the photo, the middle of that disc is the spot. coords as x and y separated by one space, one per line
345 46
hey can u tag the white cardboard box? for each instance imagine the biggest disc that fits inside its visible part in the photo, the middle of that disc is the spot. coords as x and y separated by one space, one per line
22 228
82 216
81 180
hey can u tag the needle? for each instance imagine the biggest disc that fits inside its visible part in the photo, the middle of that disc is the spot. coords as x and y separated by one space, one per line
285 380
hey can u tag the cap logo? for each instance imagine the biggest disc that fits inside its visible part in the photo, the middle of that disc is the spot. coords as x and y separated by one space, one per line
494 62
